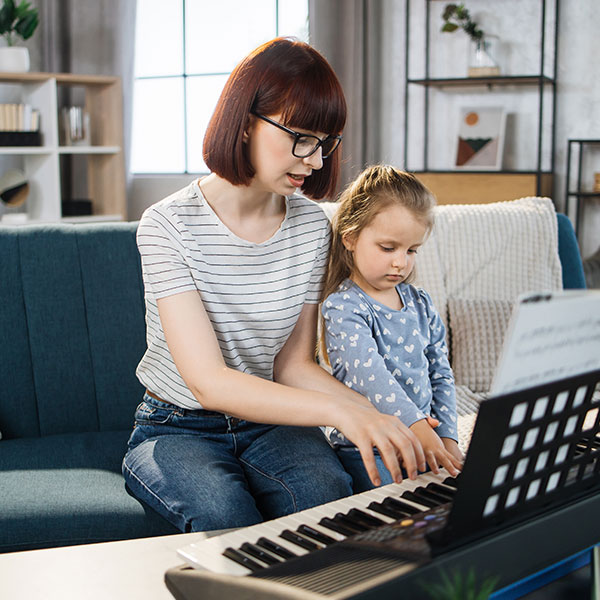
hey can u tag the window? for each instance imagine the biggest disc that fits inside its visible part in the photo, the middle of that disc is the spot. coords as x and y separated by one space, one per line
184 52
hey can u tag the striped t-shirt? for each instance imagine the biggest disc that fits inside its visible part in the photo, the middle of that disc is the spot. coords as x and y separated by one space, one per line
252 293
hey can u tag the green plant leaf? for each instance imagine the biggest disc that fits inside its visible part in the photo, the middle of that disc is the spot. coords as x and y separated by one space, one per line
449 27
26 26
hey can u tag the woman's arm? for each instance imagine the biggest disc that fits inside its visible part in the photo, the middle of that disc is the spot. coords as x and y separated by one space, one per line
195 350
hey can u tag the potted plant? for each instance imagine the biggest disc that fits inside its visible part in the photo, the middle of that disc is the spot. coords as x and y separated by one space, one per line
16 21
481 64
460 587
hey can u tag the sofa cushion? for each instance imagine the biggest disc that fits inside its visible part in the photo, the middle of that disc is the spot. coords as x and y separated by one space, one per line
68 489
478 328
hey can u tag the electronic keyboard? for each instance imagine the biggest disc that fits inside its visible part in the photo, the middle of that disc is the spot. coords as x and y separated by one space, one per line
250 549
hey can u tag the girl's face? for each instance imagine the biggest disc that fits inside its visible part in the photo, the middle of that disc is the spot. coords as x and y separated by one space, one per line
384 252
277 170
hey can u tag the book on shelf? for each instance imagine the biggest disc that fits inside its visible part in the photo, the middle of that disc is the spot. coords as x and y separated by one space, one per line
19 117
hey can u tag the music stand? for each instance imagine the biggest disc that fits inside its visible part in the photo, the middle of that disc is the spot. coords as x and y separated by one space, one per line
531 451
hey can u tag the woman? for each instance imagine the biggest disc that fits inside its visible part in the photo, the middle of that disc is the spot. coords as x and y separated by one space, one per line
227 434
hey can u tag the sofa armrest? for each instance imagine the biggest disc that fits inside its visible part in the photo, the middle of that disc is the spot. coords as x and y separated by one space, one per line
568 252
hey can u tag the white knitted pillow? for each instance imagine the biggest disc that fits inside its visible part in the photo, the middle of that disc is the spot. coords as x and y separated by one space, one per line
478 327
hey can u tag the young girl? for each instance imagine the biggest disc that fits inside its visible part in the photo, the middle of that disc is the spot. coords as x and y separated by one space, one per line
227 434
384 339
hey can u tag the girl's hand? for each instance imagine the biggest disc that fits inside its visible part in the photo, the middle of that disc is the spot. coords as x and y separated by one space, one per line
452 447
435 450
367 428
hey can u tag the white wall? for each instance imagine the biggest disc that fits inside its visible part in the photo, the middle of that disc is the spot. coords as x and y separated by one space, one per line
517 24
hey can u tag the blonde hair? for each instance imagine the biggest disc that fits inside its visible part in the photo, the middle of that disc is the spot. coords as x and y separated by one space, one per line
376 188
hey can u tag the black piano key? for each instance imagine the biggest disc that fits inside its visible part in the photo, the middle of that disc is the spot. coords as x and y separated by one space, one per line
275 548
242 559
414 497
316 535
451 481
443 490
409 509
386 510
431 495
335 526
293 537
256 552
365 518
351 522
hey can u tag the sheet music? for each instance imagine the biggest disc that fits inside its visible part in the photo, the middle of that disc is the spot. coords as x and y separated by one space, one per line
550 336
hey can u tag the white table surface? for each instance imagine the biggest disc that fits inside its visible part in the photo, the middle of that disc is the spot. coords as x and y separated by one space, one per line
132 569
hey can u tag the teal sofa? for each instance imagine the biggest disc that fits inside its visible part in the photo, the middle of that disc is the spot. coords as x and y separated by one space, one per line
72 330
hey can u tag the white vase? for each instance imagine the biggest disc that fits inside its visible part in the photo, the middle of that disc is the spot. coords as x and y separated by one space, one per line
14 59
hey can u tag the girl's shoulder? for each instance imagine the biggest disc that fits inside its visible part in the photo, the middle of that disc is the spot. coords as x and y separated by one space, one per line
347 293
417 294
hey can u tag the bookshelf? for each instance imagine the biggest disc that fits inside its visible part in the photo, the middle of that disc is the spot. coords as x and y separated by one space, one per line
103 157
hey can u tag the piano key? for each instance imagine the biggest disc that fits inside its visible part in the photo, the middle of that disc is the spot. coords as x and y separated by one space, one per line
380 508
257 552
406 507
351 522
451 481
242 559
275 548
367 519
442 489
423 493
335 526
292 536
316 535
414 497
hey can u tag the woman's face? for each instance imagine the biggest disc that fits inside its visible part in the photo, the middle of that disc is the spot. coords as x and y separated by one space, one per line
277 170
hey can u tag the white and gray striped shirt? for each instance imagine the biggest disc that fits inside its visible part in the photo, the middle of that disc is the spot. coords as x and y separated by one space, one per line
252 293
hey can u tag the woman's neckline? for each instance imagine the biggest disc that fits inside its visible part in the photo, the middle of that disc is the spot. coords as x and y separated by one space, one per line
232 234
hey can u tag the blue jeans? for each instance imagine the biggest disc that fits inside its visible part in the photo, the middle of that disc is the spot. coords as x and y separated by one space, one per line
203 470
353 464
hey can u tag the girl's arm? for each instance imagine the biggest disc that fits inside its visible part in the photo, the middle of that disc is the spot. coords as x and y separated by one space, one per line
195 350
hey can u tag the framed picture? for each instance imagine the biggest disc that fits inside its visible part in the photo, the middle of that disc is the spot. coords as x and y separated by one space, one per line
481 138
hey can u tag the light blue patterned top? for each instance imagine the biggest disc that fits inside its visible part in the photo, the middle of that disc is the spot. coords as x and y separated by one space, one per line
398 359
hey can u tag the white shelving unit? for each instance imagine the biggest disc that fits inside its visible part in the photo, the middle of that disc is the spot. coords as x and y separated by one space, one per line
41 164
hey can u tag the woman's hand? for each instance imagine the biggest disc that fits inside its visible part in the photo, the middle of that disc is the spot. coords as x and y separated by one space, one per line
367 428
436 453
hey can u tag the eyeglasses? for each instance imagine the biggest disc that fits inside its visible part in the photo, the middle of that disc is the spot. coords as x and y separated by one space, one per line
304 144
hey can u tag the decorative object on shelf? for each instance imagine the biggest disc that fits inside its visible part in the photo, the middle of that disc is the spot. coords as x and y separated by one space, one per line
16 20
481 138
481 61
14 188
75 126
81 207
597 182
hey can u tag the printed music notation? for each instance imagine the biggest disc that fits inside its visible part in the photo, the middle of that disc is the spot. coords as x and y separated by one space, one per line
550 336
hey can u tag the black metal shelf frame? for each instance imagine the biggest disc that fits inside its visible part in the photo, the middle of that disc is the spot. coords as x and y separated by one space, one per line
539 80
578 194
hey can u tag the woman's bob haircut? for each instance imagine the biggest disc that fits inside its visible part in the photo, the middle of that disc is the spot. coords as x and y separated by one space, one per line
282 77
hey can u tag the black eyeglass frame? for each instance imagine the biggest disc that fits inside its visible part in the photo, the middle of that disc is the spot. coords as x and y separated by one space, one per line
298 135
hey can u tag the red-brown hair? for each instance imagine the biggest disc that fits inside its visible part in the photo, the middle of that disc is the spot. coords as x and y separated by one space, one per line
282 77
